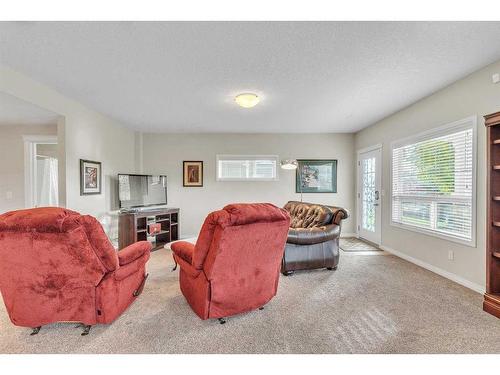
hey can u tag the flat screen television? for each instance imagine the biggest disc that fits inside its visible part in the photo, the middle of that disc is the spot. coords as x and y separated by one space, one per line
140 190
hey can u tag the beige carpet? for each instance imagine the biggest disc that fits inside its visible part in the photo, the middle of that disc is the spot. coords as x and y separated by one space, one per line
371 304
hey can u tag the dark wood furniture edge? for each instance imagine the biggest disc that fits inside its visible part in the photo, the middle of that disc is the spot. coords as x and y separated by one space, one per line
129 232
491 304
492 119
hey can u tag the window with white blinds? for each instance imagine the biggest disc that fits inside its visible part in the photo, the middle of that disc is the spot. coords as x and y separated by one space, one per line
433 182
247 167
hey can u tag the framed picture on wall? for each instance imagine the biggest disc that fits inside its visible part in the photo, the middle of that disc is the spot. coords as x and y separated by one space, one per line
192 174
90 177
316 176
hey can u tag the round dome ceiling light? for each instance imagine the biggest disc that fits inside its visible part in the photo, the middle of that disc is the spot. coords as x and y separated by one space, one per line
247 100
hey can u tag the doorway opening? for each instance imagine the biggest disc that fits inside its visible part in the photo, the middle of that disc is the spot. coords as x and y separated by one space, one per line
41 171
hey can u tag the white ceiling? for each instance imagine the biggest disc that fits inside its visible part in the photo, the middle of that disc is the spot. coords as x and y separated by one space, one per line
311 76
14 111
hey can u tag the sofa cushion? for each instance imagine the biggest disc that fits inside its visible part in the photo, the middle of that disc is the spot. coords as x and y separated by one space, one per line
308 215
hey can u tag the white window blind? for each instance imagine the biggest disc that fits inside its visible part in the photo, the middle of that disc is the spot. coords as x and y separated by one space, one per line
247 167
433 182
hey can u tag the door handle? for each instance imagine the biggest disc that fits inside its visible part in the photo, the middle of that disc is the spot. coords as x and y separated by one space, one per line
375 204
377 195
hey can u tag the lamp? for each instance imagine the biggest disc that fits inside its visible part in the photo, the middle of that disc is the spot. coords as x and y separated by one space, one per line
289 164
292 164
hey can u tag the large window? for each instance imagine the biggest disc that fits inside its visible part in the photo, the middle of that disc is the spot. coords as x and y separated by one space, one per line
247 167
433 182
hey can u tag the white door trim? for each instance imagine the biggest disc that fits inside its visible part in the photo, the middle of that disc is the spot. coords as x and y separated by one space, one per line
369 148
30 142
378 146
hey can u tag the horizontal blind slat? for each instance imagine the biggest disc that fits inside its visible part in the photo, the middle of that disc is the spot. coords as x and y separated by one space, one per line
432 183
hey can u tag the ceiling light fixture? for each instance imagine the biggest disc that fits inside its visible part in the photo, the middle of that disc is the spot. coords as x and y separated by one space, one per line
247 100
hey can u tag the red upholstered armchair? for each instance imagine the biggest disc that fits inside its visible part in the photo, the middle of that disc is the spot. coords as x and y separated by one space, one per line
57 265
234 266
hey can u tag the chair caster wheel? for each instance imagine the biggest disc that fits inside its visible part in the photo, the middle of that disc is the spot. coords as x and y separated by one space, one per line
35 331
331 268
86 330
261 308
288 273
222 320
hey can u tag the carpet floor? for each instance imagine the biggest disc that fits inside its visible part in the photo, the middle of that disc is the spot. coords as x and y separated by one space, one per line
371 304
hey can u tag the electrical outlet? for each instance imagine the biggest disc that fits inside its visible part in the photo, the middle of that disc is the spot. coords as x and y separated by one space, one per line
451 255
8 195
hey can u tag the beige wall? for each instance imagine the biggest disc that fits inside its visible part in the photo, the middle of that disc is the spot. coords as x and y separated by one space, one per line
82 134
164 153
473 95
12 162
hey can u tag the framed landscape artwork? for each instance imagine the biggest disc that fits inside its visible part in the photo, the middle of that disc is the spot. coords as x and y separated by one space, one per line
192 174
90 177
316 176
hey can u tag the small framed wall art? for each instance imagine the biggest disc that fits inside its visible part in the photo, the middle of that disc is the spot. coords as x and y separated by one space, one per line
192 174
90 177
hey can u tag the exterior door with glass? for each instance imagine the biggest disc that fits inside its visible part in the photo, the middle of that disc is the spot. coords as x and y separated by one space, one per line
369 194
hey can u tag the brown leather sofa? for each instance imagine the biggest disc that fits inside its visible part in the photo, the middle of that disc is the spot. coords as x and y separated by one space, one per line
313 237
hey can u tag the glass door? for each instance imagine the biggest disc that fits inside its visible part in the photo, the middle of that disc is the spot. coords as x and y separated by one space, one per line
369 196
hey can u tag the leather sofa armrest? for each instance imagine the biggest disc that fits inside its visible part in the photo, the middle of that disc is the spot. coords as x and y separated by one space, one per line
133 252
310 236
339 214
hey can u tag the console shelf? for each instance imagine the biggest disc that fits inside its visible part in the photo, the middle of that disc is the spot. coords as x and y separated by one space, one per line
133 227
491 301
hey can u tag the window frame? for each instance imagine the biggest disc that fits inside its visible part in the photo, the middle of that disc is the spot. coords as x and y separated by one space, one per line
463 124
246 157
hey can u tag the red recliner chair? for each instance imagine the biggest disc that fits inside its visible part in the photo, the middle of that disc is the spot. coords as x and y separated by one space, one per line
58 266
234 266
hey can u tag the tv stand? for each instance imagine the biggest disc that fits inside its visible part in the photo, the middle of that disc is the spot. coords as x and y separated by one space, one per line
133 226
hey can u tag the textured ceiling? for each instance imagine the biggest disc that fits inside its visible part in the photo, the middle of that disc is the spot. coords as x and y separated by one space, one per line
311 76
14 111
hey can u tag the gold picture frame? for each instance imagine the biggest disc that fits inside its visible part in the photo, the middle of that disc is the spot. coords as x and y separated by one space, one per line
192 173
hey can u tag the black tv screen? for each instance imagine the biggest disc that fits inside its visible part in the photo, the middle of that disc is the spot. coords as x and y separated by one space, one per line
137 190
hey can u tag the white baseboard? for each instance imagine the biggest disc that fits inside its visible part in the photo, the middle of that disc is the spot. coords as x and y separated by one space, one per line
449 275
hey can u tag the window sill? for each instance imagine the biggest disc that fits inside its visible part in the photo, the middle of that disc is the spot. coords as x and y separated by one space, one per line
471 243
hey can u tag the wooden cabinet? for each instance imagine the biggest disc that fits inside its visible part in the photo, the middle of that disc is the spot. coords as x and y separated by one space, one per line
134 226
491 302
